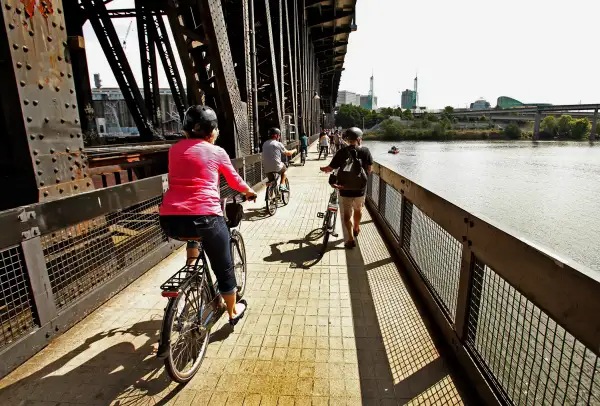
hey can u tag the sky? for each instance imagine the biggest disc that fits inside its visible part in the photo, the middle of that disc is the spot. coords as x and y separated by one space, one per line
536 51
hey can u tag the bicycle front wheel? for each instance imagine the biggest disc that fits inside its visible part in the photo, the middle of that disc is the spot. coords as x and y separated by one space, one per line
238 255
185 330
271 198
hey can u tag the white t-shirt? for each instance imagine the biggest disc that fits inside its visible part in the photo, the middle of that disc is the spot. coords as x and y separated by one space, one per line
325 141
272 151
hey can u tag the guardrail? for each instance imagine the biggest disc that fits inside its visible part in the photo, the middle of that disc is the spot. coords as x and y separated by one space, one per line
523 322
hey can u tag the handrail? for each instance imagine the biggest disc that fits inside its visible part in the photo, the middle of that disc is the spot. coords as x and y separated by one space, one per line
480 279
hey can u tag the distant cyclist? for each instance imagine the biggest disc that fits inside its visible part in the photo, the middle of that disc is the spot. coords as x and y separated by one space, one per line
191 208
304 144
323 144
272 152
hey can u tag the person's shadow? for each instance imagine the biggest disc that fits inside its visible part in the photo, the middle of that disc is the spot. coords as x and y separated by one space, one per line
256 214
305 256
119 374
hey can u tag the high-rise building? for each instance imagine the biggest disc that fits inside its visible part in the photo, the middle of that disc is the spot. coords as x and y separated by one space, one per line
409 99
346 97
365 102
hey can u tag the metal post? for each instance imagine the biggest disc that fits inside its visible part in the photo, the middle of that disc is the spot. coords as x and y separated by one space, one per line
465 285
594 124
254 78
33 253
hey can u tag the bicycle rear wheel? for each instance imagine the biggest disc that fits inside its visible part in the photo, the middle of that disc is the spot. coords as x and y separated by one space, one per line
187 332
327 221
271 198
238 255
285 195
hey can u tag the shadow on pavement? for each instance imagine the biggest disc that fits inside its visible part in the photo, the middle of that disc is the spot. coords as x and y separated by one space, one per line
256 214
118 374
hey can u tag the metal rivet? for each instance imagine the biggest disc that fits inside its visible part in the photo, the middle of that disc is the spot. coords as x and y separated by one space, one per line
59 58
62 74
19 65
62 27
78 135
76 121
22 83
54 159
37 161
70 157
72 91
32 137
88 183
67 105
25 49
75 186
81 148
55 170
57 180
73 178
28 66
74 106
18 10
59 11
61 190
26 102
71 167
29 119
46 120
31 33
40 85
46 194
7 6
54 24
35 102
57 89
35 152
11 26
72 135
69 75
41 183
15 46
83 166
41 136
68 149
65 43
62 120
39 172
52 150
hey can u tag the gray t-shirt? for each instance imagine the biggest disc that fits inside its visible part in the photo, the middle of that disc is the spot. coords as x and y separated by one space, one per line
272 152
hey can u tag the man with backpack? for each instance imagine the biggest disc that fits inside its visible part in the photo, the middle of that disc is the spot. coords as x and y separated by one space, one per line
354 166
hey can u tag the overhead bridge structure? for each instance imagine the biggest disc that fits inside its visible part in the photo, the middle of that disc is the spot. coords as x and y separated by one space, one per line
436 305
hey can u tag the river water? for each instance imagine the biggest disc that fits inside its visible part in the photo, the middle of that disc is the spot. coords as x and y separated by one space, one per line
548 192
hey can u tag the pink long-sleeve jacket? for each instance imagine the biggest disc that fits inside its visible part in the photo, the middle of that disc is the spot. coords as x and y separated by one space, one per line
194 167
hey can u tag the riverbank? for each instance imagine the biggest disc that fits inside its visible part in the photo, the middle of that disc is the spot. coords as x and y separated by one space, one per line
410 134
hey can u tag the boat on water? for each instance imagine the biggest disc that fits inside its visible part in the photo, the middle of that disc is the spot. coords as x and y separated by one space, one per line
393 150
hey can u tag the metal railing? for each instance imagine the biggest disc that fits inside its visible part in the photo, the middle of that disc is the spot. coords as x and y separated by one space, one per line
522 321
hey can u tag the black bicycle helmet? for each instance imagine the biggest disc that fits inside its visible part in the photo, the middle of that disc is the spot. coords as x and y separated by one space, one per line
274 131
353 134
200 120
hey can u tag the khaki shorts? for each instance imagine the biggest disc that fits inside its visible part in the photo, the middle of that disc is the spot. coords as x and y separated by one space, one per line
347 204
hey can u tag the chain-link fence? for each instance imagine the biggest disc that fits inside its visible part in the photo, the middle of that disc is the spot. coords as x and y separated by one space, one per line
525 351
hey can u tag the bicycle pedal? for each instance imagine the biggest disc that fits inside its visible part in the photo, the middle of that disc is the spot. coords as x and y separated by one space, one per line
335 234
320 215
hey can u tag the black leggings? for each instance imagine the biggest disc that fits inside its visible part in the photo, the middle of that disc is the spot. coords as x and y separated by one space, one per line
216 241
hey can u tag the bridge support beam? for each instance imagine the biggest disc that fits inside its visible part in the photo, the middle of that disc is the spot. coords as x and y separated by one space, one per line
594 125
536 126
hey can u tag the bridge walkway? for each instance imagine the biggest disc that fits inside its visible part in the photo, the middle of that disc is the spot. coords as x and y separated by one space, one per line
344 330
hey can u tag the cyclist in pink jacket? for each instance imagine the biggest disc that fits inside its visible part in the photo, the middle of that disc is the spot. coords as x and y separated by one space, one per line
191 207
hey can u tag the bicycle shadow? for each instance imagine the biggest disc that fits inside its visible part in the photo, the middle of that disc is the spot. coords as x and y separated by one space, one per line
305 255
97 372
256 214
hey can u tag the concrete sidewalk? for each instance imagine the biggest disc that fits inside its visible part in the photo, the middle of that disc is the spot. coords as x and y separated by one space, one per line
342 330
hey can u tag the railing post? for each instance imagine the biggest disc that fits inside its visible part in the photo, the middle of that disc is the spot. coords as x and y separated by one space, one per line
370 186
465 286
405 223
382 193
244 168
33 253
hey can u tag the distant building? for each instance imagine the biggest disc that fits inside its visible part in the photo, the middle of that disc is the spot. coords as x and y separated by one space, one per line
113 117
409 99
481 104
365 102
505 102
346 97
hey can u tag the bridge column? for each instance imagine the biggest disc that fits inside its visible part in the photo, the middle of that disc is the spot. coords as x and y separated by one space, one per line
40 133
594 123
536 126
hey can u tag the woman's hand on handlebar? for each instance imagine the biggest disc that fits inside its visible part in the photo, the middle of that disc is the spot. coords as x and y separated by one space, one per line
250 195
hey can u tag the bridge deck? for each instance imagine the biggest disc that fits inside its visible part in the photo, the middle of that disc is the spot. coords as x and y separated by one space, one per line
342 331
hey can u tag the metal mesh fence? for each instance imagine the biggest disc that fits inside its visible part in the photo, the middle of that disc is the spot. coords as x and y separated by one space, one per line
254 173
532 358
81 257
373 187
17 309
393 209
437 254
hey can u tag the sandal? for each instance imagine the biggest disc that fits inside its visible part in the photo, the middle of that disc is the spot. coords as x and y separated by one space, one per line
350 244
240 314
355 232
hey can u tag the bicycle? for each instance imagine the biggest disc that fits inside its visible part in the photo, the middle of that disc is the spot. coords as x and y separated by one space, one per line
274 194
303 157
195 305
329 219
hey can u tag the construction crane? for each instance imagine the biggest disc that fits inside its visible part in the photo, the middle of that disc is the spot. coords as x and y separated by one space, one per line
126 35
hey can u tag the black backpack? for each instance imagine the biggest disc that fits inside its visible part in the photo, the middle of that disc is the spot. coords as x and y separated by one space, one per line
352 175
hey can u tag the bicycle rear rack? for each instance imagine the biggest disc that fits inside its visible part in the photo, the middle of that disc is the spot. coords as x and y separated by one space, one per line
180 280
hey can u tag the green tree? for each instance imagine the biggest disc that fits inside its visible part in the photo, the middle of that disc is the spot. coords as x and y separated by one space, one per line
564 125
407 114
580 128
483 119
549 125
439 130
433 118
512 131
